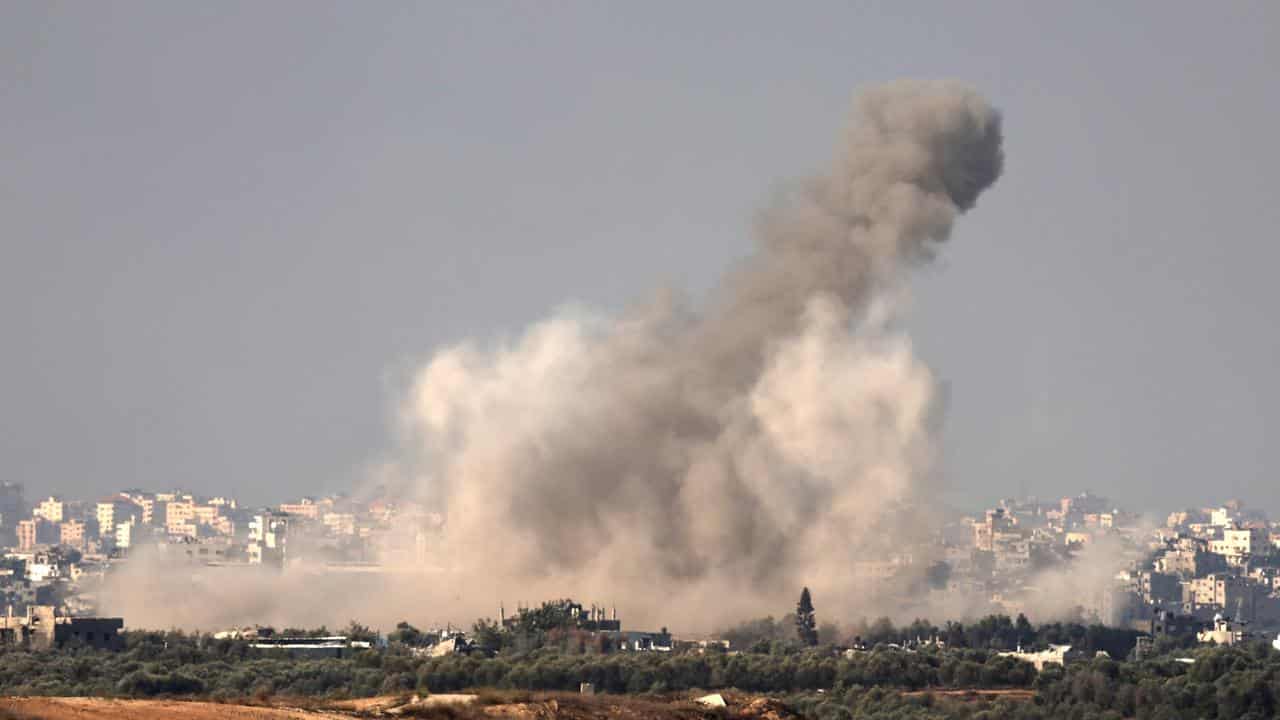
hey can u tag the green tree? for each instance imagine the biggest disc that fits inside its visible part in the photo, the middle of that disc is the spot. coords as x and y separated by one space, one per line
806 623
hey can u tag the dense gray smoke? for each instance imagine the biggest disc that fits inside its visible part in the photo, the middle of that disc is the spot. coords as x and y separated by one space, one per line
719 458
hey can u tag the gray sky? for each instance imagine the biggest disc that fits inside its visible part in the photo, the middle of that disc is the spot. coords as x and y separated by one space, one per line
227 230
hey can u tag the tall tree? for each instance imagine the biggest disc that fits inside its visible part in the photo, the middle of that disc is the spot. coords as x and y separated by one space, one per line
806 623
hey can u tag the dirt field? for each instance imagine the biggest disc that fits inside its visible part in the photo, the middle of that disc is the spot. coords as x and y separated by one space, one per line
540 706
99 708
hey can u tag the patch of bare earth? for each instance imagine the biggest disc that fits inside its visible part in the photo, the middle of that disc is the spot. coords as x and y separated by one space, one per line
42 708
485 706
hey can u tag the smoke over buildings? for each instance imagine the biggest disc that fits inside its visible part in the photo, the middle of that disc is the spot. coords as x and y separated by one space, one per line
725 455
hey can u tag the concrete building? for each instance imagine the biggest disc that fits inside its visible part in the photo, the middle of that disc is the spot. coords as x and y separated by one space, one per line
1165 623
1220 592
1222 517
71 532
124 534
113 510
42 629
178 514
26 534
1054 655
268 539
636 641
1157 588
1222 632
50 509
306 508
206 514
1240 542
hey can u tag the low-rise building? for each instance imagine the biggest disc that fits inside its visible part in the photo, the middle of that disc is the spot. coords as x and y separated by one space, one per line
1222 632
42 629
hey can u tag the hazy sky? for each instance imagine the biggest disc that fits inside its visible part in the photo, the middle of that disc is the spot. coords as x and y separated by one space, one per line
228 230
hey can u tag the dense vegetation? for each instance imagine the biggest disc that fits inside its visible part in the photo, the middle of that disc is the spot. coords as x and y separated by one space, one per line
884 682
895 672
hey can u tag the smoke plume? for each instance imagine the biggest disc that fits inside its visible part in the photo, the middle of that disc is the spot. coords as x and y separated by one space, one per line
691 465
721 457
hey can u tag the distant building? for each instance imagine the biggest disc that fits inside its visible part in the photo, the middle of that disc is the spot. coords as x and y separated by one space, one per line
50 509
1220 592
306 508
1240 542
42 629
179 517
1165 623
124 534
115 510
268 539
1222 632
1158 588
26 533
71 532
635 641
1054 655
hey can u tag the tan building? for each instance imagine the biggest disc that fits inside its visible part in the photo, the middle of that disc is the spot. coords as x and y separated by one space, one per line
307 508
178 515
50 509
148 505
1239 543
27 534
186 529
71 532
1230 593
206 514
115 510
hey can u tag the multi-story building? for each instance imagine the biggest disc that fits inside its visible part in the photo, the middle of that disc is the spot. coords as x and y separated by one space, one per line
206 514
1220 592
50 509
27 533
1240 542
147 502
178 515
1188 558
268 539
71 532
124 534
113 510
984 531
1222 517
1158 588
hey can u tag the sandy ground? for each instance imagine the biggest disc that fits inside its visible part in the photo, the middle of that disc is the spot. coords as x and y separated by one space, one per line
522 706
34 708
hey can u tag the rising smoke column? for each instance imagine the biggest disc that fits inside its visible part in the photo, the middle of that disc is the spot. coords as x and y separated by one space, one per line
719 457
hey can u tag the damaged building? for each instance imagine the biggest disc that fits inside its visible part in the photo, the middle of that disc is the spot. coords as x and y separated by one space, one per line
41 628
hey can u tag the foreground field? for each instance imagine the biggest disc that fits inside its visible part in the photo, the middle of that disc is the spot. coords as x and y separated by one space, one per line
541 706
